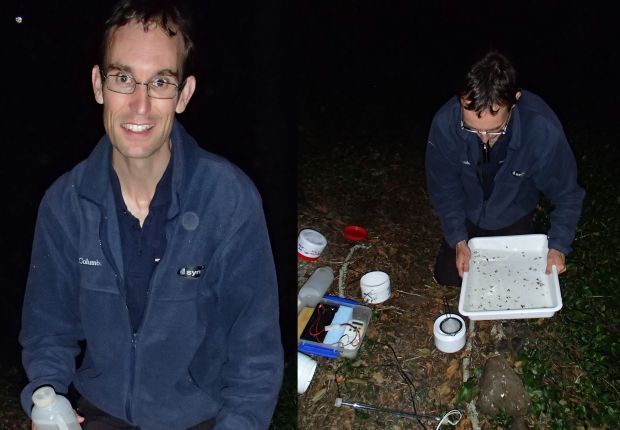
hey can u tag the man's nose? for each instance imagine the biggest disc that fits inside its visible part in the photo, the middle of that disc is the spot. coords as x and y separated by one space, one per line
140 98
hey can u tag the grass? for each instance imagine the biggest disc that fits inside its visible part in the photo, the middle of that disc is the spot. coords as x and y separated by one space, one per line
572 370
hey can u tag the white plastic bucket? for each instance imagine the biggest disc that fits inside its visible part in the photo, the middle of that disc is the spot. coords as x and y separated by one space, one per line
306 367
450 337
310 244
375 287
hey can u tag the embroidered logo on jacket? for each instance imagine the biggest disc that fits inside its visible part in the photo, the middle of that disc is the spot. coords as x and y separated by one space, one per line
88 262
190 271
517 174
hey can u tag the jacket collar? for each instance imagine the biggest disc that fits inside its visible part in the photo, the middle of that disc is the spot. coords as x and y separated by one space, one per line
95 185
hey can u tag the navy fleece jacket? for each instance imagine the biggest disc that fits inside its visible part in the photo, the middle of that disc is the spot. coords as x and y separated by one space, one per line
539 160
209 342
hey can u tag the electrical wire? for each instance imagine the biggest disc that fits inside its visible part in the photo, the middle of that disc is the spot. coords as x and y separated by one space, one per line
315 330
408 381
446 419
353 342
403 375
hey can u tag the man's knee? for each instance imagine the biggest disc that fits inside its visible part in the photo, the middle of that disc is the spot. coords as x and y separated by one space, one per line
446 273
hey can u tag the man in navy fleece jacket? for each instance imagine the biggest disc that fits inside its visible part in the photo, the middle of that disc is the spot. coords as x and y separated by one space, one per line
492 150
156 254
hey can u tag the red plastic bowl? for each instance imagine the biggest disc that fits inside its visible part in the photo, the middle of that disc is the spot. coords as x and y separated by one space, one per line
354 232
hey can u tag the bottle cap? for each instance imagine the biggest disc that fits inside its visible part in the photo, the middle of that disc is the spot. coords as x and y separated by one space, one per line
43 396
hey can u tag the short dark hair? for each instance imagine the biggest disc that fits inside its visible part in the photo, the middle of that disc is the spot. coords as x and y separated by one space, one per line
167 15
491 81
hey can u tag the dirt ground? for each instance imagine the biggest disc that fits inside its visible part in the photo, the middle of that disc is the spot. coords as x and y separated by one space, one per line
380 186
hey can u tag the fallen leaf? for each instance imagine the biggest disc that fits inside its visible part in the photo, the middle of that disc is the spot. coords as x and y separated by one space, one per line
319 394
372 332
357 381
453 370
464 424
358 363
484 337
445 391
429 369
378 378
423 352
483 324
429 327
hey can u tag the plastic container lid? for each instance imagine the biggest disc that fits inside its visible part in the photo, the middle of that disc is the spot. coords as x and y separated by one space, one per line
354 232
310 244
43 397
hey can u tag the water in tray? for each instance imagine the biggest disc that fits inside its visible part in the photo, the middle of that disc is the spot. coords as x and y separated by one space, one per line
507 280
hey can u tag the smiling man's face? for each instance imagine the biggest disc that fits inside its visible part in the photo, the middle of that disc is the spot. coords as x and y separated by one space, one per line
139 126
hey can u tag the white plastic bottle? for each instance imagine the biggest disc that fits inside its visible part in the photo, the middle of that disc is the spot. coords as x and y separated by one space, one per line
52 411
315 287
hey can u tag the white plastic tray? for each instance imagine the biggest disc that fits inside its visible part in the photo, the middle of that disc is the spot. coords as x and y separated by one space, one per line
507 280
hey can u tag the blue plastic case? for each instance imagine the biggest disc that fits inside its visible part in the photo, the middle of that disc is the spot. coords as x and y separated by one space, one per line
347 345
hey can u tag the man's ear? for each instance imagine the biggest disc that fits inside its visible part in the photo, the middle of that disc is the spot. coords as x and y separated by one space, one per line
97 84
519 93
186 94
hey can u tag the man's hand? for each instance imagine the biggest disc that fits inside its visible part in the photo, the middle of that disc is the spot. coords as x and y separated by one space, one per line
557 259
463 255
79 418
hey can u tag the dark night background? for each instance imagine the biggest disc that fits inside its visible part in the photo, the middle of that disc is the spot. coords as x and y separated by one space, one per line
243 109
269 70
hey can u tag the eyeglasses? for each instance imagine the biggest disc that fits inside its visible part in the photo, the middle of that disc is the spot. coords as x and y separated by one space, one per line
157 88
500 132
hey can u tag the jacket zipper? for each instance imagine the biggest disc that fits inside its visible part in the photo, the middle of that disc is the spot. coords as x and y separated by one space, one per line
133 335
482 210
134 343
479 176
134 340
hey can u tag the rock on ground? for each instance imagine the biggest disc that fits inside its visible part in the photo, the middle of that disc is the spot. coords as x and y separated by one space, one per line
501 389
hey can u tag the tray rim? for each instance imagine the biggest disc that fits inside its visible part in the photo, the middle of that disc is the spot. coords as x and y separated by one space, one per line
512 313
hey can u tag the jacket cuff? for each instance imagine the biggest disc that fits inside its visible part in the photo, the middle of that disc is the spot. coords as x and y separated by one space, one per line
554 244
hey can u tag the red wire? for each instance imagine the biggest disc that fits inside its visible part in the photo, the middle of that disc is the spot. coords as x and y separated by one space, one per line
314 330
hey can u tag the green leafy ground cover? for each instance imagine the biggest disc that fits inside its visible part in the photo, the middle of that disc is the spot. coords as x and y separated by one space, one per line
584 392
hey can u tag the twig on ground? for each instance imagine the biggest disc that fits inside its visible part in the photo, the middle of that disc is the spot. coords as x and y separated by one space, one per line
389 308
614 388
343 269
471 407
410 294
